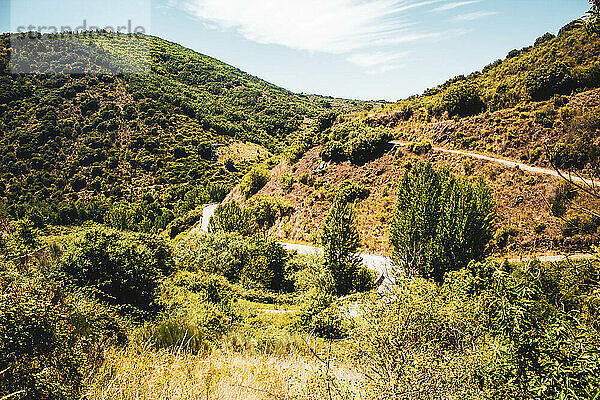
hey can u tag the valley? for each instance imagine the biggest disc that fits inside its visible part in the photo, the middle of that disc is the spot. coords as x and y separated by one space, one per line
194 231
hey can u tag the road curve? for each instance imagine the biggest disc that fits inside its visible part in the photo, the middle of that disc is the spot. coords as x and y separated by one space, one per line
510 164
380 264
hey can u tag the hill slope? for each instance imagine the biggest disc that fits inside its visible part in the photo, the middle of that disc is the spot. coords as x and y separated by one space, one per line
68 137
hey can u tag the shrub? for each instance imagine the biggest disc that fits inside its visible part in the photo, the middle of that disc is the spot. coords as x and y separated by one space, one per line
264 210
545 117
349 191
359 142
333 151
504 234
230 217
441 222
121 269
589 76
253 181
366 145
548 80
253 260
494 331
50 339
419 148
286 181
462 100
560 195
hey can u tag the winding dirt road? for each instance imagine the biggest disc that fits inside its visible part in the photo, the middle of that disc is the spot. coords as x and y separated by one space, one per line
509 163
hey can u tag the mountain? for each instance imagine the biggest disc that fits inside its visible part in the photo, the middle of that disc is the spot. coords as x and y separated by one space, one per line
71 139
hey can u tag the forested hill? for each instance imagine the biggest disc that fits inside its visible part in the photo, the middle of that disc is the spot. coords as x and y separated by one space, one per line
68 136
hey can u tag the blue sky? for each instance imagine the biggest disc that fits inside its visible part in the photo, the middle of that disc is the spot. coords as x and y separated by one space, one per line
365 49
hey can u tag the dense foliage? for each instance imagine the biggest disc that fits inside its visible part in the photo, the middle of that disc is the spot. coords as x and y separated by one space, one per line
442 222
121 269
355 141
340 240
70 144
494 331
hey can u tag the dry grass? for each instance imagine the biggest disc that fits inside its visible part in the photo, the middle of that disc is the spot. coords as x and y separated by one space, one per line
142 374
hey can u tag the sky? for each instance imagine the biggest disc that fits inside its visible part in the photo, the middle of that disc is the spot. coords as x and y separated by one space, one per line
359 49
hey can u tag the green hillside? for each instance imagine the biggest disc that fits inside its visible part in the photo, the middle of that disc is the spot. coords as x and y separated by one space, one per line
552 65
69 140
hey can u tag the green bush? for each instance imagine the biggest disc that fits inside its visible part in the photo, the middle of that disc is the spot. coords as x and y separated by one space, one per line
419 148
441 223
504 235
349 191
264 210
251 260
121 269
589 76
253 181
340 241
462 100
333 151
494 331
50 338
355 141
286 181
546 117
548 80
230 217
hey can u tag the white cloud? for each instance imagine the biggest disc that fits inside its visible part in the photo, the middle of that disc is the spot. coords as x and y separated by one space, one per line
451 6
330 26
377 62
473 16
368 33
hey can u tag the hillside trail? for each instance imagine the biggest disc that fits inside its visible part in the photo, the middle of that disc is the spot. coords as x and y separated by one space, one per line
383 265
510 164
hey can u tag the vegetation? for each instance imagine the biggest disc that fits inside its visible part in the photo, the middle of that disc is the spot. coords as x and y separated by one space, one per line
105 292
553 65
75 145
355 141
442 222
503 331
340 241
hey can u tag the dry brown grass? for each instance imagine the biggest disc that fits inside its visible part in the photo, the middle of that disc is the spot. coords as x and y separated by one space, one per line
143 374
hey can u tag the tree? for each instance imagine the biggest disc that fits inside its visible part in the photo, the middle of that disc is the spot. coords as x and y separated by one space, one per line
442 222
340 240
230 217
592 22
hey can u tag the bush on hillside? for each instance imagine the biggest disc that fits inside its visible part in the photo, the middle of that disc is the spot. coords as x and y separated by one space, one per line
495 331
230 217
264 210
356 142
340 241
50 339
442 222
461 100
350 191
548 80
251 260
253 181
121 269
